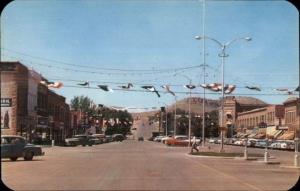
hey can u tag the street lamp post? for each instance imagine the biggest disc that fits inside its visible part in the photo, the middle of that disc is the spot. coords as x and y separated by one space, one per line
190 84
222 55
175 115
166 117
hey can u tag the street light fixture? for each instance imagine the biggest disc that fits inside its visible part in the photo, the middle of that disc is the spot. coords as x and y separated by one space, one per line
222 55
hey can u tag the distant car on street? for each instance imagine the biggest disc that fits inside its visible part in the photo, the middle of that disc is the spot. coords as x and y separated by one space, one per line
118 137
141 139
13 147
180 140
212 140
80 140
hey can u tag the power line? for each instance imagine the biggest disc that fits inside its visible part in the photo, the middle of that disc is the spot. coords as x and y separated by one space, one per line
101 68
183 92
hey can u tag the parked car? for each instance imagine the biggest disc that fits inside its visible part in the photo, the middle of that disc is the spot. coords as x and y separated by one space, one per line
118 137
251 142
151 139
100 138
80 140
163 140
13 147
141 139
260 143
108 138
212 140
238 142
180 140
275 145
158 138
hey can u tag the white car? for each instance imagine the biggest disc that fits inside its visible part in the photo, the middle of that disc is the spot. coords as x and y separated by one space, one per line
238 142
158 138
163 140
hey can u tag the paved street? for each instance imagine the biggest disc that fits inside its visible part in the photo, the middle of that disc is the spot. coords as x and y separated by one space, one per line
133 165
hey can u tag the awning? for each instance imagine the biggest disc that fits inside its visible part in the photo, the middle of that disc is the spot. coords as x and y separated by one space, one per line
288 135
271 131
260 136
252 135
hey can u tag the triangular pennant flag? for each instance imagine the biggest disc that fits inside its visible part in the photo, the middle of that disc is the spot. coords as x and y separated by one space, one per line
152 89
189 86
129 85
105 88
281 89
84 84
204 85
216 87
167 88
229 89
253 88
55 85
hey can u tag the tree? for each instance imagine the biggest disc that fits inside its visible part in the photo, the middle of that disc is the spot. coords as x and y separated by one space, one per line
83 103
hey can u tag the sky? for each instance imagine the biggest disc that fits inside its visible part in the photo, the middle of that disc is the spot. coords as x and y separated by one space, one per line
152 43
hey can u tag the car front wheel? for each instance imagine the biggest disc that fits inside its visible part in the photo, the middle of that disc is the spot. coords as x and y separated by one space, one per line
13 158
28 156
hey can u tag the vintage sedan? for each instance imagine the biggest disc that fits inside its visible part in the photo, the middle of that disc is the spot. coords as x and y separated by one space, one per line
80 140
181 140
13 147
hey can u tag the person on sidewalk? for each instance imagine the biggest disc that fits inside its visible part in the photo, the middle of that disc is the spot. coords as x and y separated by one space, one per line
194 145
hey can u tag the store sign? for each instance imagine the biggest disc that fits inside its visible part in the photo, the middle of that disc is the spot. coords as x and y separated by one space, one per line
7 67
6 102
42 122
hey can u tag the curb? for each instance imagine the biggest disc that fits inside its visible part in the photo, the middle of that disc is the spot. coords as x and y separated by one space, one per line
291 167
209 156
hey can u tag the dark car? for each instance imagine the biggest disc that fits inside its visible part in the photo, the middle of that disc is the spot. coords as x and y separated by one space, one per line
80 140
13 147
118 137
141 139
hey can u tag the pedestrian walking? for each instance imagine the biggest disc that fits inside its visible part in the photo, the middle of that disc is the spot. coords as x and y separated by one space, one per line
194 145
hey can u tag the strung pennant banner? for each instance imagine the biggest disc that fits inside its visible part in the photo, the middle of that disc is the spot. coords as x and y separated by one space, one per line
56 85
105 88
228 89
52 84
129 85
281 89
190 86
167 88
84 84
253 88
217 87
152 89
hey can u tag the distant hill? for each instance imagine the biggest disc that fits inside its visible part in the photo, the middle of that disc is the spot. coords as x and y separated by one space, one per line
210 105
196 106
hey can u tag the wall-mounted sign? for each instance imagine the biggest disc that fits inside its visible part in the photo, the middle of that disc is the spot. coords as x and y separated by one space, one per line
7 67
6 102
42 122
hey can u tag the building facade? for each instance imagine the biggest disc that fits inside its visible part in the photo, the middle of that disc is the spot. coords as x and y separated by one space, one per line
232 105
272 115
292 114
25 105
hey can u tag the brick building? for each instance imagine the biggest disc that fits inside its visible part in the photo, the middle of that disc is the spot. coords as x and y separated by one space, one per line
292 114
234 105
272 115
25 105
